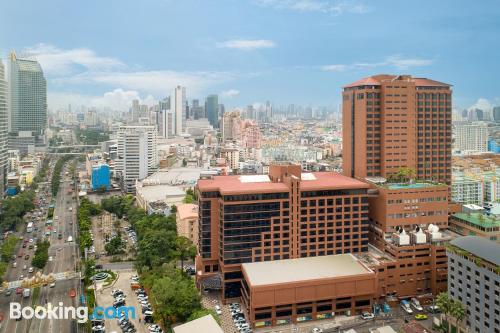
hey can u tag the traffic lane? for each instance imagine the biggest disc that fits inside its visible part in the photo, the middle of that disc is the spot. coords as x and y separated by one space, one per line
11 325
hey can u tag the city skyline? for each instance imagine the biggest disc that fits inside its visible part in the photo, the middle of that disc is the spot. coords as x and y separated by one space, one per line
299 52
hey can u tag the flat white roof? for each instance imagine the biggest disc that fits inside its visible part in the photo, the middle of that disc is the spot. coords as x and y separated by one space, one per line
206 324
303 269
255 179
307 176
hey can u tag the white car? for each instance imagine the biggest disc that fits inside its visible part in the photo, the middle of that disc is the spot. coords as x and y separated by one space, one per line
367 315
317 330
30 270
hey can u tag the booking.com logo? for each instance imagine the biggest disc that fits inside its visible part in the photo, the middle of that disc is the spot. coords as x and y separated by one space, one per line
81 313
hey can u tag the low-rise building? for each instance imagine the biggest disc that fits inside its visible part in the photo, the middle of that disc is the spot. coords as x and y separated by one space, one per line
187 221
206 324
297 290
476 224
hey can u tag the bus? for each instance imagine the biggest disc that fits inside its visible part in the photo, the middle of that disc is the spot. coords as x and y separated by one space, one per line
29 228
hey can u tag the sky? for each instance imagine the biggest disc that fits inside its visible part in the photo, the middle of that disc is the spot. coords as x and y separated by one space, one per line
108 52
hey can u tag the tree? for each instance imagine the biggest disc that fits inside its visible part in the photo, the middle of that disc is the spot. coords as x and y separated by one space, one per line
41 255
156 248
184 249
173 209
450 307
458 311
202 313
115 245
176 297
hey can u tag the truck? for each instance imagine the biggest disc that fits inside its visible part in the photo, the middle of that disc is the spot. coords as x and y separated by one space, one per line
26 292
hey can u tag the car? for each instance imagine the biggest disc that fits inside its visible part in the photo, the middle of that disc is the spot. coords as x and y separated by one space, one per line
30 270
26 257
21 277
421 316
14 264
25 267
31 240
405 305
98 266
416 304
19 291
98 328
8 292
115 292
433 309
218 311
24 245
367 315
118 304
153 328
52 285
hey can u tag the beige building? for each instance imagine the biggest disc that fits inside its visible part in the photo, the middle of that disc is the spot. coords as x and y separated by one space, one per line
187 222
206 324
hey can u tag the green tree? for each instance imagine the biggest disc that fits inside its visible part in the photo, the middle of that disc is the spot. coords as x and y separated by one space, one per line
458 311
184 249
115 245
176 298
156 248
202 313
41 255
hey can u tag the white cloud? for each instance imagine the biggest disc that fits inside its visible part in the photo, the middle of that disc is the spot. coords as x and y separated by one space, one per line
247 44
396 61
56 61
483 104
336 7
117 99
230 93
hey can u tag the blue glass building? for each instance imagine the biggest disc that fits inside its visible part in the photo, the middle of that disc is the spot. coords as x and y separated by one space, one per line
100 176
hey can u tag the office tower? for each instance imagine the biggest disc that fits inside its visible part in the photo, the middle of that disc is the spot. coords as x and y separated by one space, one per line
221 110
3 129
166 124
471 137
211 110
231 126
197 110
250 114
496 113
286 214
178 107
390 122
474 280
396 136
91 118
137 154
27 103
164 104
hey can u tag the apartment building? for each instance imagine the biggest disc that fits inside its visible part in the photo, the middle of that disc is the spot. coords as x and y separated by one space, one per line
474 280
471 137
467 190
476 224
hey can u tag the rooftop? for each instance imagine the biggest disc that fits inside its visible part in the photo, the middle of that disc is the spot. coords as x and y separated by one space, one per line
206 324
187 211
304 269
377 80
262 183
479 219
480 247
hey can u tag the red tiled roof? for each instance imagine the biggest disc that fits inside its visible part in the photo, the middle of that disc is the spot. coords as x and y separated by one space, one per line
323 181
367 81
428 82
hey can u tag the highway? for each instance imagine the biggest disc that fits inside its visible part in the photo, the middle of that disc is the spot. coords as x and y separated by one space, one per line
63 259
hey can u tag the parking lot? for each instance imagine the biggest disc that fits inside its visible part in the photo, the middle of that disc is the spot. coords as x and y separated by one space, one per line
105 299
212 301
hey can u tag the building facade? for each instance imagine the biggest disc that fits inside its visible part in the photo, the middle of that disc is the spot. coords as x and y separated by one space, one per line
286 214
476 224
471 137
395 121
474 280
212 110
27 98
178 106
231 126
467 190
187 222
137 154
4 124
100 177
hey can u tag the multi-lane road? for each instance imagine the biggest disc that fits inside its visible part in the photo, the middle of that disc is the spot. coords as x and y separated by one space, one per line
63 258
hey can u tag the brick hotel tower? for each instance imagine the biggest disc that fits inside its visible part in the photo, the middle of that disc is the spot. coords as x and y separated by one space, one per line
392 122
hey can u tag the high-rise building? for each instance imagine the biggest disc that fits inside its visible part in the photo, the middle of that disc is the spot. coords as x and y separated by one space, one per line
27 100
137 154
474 280
231 126
251 137
197 110
3 129
166 124
178 107
496 113
212 110
397 137
471 137
395 121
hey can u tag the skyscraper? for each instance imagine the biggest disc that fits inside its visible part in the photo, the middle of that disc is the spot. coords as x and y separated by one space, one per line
197 111
3 129
27 99
496 113
212 110
231 126
471 136
137 155
395 121
178 106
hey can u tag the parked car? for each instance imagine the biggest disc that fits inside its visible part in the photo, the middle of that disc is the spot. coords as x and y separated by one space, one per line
416 304
367 315
405 305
